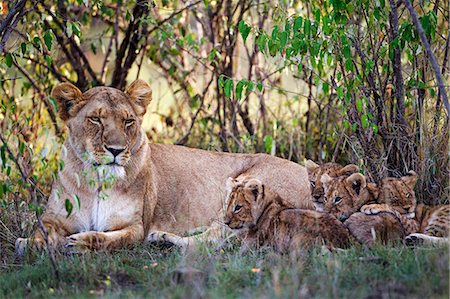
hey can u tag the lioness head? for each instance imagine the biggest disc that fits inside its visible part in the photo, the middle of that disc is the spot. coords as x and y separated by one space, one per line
345 195
399 193
315 173
104 123
243 202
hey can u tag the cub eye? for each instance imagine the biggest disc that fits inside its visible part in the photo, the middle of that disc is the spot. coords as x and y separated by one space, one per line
313 184
95 120
408 195
237 208
129 122
337 200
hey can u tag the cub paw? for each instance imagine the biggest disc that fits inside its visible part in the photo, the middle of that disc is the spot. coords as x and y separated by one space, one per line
414 240
370 210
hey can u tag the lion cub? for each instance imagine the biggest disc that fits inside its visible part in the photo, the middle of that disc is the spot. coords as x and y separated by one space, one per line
347 195
315 172
262 217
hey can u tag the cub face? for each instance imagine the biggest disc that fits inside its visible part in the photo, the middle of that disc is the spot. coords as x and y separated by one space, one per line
243 200
104 123
345 195
399 193
315 173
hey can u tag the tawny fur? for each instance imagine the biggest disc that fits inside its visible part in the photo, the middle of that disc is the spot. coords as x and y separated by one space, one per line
149 186
315 172
392 195
266 219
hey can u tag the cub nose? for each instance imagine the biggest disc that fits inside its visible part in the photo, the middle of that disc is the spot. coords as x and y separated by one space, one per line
115 151
227 222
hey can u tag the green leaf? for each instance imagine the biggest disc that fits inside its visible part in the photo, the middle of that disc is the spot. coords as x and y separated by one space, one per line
94 48
298 24
49 60
228 87
244 29
326 88
346 51
259 86
307 27
359 105
23 48
349 65
340 92
283 39
69 30
76 29
364 121
239 88
268 141
261 42
250 86
69 207
77 201
8 59
48 40
221 81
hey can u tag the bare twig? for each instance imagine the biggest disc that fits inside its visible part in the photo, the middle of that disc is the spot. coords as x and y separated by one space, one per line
429 54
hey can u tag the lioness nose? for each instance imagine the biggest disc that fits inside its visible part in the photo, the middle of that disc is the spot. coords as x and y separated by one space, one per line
115 151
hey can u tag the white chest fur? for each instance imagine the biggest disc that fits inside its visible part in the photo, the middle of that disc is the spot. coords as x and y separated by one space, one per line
109 209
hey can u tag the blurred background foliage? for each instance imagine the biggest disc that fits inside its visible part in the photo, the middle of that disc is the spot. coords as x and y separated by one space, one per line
331 80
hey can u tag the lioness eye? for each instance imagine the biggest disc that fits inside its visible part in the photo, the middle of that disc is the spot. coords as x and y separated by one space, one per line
337 200
129 122
237 208
95 120
313 184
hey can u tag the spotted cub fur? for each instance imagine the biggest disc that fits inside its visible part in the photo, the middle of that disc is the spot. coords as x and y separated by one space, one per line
268 220
315 172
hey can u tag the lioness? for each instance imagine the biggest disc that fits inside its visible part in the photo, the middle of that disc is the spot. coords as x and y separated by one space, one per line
268 219
121 187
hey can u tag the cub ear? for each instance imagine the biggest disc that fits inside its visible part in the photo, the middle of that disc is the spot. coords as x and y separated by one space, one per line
68 97
326 180
410 179
256 187
311 166
348 170
141 93
357 182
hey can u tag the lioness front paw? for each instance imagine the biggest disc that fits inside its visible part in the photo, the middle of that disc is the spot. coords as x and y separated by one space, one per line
86 241
165 237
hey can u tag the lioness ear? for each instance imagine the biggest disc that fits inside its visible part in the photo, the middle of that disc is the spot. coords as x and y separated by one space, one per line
311 166
348 170
410 179
357 181
68 97
256 187
230 184
141 93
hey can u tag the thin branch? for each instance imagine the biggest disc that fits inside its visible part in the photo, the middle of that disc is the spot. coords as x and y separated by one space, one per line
430 55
